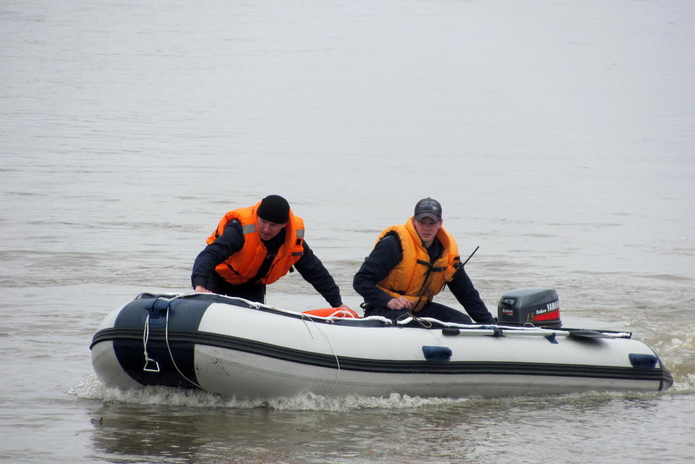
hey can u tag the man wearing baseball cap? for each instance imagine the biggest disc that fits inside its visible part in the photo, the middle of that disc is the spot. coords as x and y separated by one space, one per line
255 246
410 264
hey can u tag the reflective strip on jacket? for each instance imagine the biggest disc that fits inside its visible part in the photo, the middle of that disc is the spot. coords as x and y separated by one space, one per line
243 265
416 277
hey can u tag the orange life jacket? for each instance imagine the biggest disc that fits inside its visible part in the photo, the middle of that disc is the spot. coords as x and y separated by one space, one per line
243 265
416 277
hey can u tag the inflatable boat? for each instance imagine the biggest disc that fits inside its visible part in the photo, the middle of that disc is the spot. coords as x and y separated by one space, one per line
245 350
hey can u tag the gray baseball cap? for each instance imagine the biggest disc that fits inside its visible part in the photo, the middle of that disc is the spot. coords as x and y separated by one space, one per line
427 207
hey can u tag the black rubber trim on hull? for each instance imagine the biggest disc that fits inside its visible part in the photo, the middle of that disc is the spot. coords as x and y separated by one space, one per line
390 367
169 364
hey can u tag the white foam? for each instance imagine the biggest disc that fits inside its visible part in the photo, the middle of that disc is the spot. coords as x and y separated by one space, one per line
92 388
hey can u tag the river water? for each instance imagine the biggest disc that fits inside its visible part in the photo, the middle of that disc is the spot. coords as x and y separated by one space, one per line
557 135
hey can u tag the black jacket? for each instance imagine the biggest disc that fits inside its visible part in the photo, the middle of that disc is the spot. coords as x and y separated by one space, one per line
388 253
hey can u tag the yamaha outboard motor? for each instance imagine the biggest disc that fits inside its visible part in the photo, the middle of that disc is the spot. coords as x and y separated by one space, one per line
530 306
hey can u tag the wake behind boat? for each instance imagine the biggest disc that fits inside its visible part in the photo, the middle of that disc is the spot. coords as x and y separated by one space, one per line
246 350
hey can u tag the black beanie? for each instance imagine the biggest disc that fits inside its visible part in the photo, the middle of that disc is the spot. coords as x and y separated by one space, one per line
275 209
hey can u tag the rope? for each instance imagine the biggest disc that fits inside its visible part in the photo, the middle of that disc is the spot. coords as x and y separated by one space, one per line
145 340
408 315
341 313
328 340
171 355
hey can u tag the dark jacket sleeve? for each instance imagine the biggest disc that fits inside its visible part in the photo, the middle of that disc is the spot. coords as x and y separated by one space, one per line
384 257
466 294
231 241
313 271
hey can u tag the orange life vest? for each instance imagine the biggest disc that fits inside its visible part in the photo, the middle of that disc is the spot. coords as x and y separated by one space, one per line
416 277
243 265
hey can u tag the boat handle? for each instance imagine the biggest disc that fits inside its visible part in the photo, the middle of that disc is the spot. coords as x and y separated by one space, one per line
145 337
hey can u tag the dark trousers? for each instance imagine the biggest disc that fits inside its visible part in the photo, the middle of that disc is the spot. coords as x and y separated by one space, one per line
433 310
248 291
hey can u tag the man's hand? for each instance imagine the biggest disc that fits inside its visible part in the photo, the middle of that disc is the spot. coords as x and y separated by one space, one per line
400 303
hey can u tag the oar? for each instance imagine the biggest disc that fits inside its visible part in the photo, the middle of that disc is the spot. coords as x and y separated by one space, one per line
588 333
501 331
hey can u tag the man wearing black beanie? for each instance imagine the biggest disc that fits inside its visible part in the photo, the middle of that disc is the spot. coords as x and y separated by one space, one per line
255 246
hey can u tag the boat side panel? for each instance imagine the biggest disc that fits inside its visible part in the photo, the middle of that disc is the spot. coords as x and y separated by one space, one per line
405 343
245 375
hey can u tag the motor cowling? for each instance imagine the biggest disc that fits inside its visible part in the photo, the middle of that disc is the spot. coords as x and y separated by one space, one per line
530 306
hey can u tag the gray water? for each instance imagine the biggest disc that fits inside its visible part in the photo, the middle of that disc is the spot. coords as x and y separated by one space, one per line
557 135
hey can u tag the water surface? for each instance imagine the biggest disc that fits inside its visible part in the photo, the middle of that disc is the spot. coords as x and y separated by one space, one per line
558 137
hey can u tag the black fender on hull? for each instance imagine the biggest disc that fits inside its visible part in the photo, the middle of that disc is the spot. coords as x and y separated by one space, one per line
149 337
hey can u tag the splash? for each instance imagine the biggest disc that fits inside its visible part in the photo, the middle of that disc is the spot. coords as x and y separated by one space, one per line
91 388
674 342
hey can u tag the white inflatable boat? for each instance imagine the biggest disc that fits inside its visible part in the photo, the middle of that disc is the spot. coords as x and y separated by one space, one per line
236 348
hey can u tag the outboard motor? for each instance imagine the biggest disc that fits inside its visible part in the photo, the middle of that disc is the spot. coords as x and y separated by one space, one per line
530 306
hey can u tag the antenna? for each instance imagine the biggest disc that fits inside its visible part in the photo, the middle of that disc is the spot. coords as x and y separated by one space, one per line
476 249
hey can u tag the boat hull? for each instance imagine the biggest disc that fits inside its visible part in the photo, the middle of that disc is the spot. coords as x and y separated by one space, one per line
236 349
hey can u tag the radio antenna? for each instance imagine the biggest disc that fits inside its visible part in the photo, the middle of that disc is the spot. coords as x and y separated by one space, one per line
476 249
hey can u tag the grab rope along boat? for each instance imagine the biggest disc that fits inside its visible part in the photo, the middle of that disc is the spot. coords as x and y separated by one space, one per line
237 348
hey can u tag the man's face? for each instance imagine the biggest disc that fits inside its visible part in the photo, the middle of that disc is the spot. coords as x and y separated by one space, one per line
268 230
427 229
